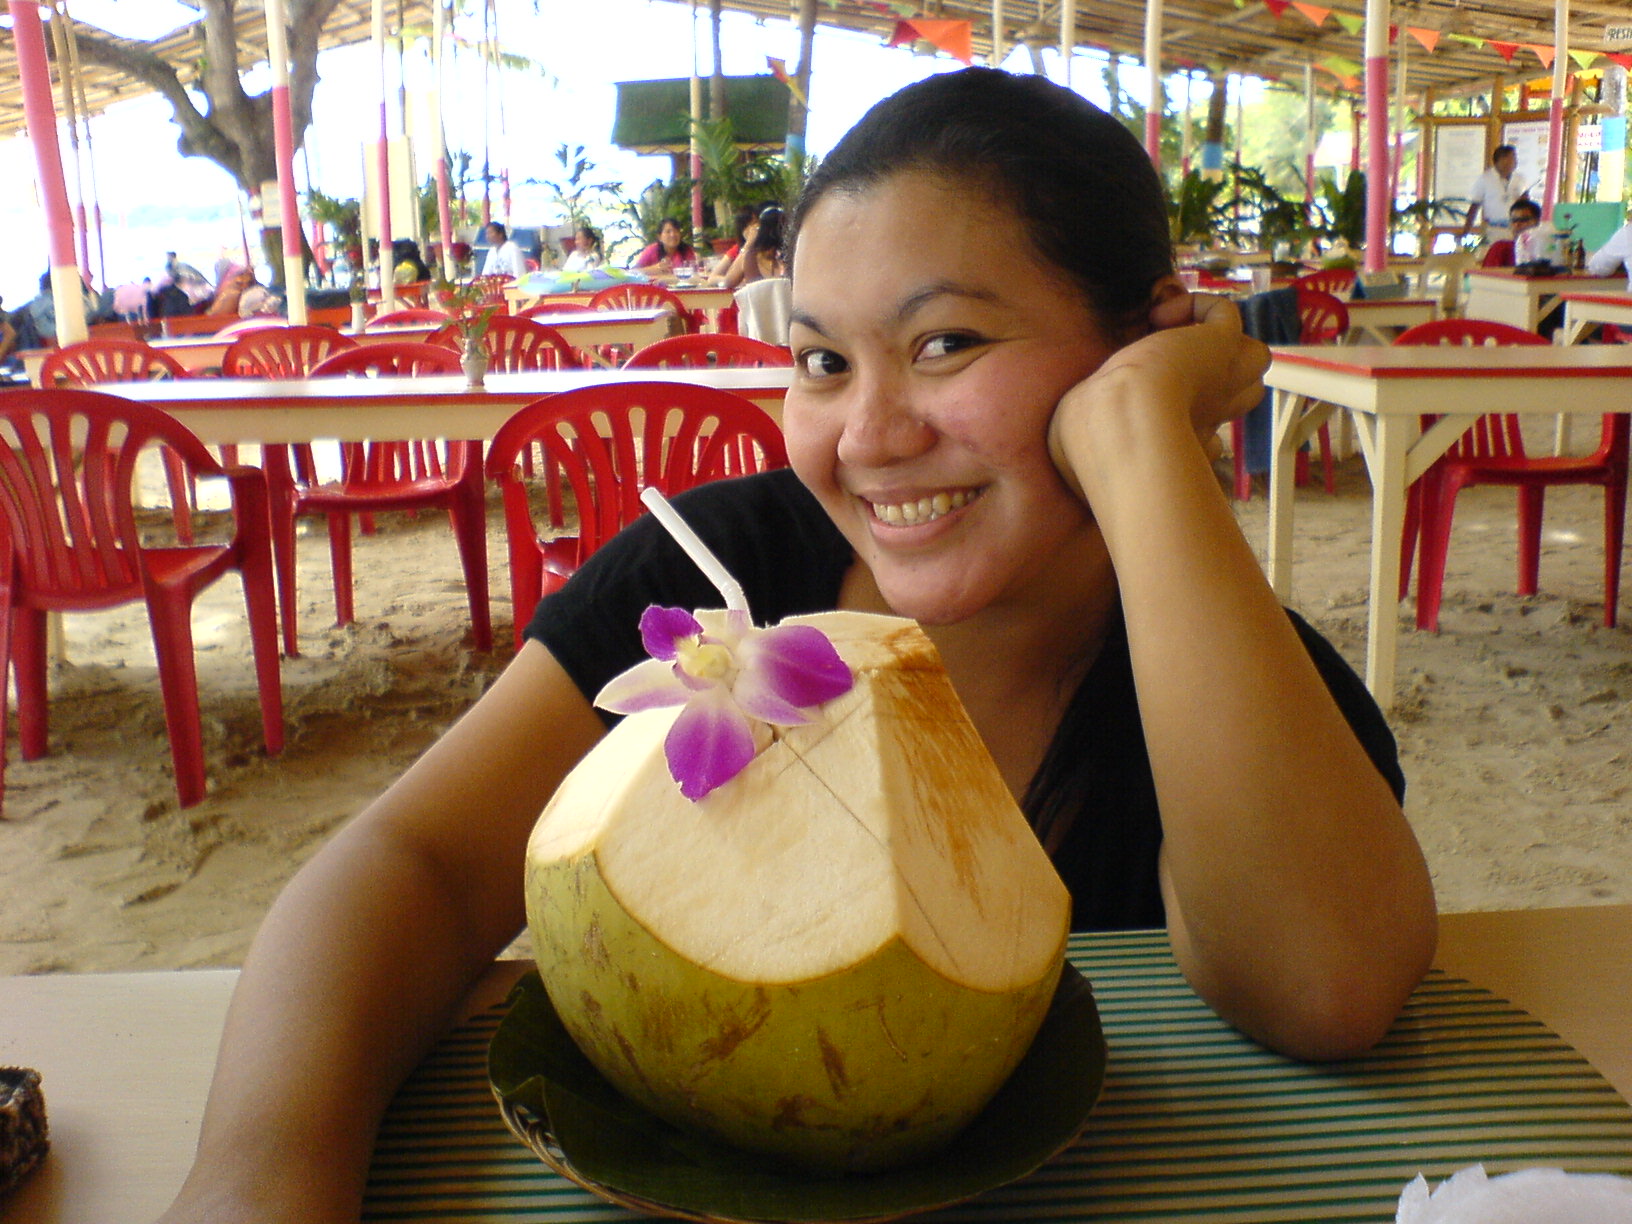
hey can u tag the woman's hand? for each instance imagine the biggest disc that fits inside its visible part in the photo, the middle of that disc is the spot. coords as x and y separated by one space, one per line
1195 363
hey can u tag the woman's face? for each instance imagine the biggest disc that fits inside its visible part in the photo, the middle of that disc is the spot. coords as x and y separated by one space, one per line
928 364
586 240
669 235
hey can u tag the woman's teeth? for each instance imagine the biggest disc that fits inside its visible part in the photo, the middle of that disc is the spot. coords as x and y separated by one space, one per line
923 510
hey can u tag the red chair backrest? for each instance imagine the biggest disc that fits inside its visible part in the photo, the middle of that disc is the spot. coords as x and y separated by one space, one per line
282 352
102 361
414 293
1495 435
392 357
517 344
1322 318
67 472
414 314
614 441
711 352
1500 255
1339 282
1467 332
492 288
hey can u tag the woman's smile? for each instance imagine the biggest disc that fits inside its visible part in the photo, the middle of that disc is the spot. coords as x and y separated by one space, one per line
925 509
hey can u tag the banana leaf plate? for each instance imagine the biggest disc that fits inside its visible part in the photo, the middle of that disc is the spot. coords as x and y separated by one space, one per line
556 1103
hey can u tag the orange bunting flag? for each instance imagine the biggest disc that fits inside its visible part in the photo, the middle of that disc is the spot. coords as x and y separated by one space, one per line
1542 53
953 37
779 69
1503 49
1314 12
1428 38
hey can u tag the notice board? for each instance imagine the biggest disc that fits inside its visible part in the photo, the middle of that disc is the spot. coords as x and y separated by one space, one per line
1459 158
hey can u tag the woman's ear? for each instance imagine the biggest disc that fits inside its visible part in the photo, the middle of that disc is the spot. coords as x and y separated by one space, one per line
1170 304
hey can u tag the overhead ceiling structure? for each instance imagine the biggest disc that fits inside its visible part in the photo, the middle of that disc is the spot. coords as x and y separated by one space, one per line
349 23
1471 39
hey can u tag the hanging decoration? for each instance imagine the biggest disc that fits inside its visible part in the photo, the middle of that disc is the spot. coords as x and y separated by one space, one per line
1583 59
1504 49
1542 53
1428 38
779 69
1277 7
1352 23
953 37
1314 12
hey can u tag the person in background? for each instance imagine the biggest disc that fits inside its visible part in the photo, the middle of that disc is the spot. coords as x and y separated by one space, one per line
1525 214
407 268
1493 194
761 255
1613 256
8 335
744 217
669 254
586 250
504 257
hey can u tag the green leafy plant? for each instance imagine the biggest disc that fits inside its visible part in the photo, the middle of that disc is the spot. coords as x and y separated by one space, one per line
573 188
463 302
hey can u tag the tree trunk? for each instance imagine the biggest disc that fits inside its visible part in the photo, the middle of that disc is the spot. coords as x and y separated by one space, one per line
716 82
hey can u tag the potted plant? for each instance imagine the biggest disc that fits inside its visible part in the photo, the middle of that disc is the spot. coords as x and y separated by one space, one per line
470 315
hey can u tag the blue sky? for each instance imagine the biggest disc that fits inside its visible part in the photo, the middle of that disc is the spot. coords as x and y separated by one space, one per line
584 48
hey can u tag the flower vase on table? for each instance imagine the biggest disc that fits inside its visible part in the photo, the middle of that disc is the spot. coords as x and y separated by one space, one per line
473 358
470 315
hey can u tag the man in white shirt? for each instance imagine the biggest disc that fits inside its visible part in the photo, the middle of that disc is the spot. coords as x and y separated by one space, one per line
1493 194
1609 258
504 257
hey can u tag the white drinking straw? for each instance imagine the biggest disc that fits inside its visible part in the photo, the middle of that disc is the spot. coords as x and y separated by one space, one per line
730 589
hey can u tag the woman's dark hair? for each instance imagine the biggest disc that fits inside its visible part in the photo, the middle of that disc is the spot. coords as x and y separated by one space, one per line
770 236
504 234
594 235
1081 184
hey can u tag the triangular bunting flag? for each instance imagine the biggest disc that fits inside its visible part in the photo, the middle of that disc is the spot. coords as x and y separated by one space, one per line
1314 12
1619 58
1583 59
1353 23
1340 67
1277 7
1428 38
779 69
1503 49
953 37
1543 53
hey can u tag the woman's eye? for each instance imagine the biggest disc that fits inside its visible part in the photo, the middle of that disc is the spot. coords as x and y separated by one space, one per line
819 363
947 344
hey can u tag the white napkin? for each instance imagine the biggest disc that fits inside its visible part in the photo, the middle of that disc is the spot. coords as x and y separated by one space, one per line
1526 1197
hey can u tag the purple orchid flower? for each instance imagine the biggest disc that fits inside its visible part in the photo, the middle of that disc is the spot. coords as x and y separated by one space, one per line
729 676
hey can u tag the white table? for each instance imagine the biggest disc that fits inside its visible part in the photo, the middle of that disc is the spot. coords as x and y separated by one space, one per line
1387 390
1584 310
1503 296
250 410
126 1058
1381 319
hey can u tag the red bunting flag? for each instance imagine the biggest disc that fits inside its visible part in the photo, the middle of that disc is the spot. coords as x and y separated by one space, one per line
1277 7
1619 57
1314 12
1428 38
1503 49
1541 52
953 37
779 69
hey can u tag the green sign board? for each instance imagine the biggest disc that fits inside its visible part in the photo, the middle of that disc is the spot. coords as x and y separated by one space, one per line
652 115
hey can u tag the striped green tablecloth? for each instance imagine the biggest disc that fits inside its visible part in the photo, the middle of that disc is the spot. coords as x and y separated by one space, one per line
1196 1123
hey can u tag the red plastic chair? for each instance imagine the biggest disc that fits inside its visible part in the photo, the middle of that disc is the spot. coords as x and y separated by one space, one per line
414 314
1339 282
710 352
282 351
492 289
1500 255
91 362
1322 319
379 476
67 511
1492 452
612 442
518 344
632 295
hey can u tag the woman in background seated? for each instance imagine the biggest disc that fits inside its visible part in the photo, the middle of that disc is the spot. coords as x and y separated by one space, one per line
586 251
669 254
761 256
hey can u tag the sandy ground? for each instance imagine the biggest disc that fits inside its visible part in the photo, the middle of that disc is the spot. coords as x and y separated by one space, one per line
1515 726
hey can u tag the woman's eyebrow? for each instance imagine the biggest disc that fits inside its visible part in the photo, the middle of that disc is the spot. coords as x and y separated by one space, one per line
911 304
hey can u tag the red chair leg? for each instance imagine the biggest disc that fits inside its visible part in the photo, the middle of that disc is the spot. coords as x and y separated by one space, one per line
1436 540
28 670
181 494
340 558
1531 503
1325 436
261 609
169 614
1238 456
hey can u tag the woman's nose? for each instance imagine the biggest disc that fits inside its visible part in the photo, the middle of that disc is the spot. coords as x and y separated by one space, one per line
881 428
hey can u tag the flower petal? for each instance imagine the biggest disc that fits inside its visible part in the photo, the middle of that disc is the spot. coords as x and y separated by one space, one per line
796 662
647 685
758 698
710 743
659 627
